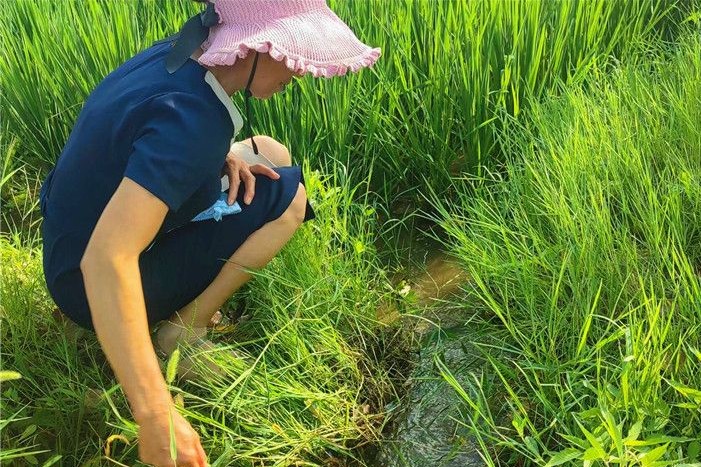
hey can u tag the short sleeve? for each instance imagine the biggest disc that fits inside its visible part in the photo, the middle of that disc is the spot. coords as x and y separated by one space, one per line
183 141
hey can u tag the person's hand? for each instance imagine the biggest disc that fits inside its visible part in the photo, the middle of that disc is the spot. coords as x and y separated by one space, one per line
154 442
237 169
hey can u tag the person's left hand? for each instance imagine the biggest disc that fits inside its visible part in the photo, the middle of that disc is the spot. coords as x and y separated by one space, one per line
237 170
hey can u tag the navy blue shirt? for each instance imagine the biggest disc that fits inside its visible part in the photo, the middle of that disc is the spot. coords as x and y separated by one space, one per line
170 133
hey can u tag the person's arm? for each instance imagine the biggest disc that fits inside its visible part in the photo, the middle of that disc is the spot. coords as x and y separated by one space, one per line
112 278
110 267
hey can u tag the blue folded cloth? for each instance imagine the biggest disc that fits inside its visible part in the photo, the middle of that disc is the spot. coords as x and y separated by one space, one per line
218 209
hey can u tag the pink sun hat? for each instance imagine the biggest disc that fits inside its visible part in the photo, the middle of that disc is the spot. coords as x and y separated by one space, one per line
306 34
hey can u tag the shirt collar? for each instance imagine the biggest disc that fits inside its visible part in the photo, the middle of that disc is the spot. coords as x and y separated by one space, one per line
216 86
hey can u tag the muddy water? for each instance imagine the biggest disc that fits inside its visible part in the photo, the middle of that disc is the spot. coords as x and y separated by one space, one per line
422 430
427 285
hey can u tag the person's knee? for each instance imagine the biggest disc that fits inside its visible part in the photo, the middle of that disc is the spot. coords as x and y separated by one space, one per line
272 149
296 210
279 153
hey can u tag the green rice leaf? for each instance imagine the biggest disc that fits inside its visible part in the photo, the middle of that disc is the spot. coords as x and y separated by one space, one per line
564 456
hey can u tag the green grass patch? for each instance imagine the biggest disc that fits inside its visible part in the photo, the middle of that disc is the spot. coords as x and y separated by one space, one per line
584 257
316 389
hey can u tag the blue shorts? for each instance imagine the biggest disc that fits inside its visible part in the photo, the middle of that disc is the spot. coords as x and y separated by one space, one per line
180 264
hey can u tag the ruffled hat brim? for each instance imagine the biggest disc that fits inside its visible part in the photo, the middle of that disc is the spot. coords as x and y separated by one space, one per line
315 42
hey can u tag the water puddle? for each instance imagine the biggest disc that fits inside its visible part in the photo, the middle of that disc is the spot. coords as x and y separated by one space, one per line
421 429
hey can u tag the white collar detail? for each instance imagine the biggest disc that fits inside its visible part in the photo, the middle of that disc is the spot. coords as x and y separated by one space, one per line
226 100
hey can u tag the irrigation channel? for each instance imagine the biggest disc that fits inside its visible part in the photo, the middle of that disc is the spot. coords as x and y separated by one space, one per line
421 428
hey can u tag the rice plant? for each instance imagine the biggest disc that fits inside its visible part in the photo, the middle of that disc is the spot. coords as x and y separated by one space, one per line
19 206
584 259
427 109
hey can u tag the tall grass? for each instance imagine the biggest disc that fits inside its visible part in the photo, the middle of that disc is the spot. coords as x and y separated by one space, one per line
19 207
315 389
585 261
427 108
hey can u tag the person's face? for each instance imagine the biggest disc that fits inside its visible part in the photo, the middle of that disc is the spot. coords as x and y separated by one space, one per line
271 76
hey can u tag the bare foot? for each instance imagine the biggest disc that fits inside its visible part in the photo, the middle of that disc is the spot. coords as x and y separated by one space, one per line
198 353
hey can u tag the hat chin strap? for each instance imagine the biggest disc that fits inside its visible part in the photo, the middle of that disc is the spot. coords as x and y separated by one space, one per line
247 94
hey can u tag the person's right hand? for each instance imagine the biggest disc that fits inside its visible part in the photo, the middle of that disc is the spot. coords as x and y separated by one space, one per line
154 442
239 171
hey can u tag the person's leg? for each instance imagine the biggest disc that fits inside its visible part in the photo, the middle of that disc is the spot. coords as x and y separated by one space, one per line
190 322
271 152
259 248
